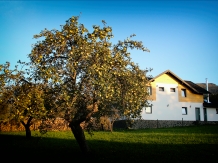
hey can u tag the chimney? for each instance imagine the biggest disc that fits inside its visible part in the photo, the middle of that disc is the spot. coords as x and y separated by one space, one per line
207 90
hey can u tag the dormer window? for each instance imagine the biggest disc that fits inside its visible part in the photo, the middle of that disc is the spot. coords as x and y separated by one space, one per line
183 91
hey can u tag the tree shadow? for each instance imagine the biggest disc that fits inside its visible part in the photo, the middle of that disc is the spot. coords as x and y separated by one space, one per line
14 148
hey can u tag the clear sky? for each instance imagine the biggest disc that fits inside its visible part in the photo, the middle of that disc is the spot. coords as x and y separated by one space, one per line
182 35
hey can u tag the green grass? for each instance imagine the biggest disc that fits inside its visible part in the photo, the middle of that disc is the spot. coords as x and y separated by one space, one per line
179 144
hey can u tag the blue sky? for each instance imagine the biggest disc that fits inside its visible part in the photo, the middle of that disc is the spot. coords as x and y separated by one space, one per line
182 35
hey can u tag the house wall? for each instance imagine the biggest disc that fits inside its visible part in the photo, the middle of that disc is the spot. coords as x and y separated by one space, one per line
211 114
190 97
167 105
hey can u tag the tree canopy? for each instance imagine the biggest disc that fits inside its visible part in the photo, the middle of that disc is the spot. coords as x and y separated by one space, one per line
87 75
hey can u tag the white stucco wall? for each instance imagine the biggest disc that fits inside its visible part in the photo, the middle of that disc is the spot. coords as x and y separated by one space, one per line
168 107
211 114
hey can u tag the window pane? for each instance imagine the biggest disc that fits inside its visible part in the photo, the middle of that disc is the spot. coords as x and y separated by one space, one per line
148 109
184 111
172 90
161 88
183 93
149 90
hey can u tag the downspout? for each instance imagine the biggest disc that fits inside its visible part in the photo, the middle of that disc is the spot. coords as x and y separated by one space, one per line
207 90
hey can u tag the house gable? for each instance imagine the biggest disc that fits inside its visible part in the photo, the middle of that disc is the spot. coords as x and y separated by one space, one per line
192 93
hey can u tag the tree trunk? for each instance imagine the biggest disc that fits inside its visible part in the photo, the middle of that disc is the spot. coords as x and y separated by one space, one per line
27 127
28 132
79 136
84 114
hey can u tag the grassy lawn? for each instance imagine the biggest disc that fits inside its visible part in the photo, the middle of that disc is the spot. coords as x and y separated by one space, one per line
179 144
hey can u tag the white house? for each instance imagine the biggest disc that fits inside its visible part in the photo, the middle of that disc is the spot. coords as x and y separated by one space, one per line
172 98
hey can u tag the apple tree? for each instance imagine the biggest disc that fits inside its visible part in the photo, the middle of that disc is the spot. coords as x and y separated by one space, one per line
90 74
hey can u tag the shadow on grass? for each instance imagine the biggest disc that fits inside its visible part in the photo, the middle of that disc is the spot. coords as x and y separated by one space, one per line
208 128
15 148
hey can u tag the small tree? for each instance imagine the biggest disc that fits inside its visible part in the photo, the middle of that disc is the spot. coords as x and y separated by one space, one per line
89 73
20 99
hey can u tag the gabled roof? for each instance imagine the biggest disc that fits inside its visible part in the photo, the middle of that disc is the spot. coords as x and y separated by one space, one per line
198 88
213 88
192 86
